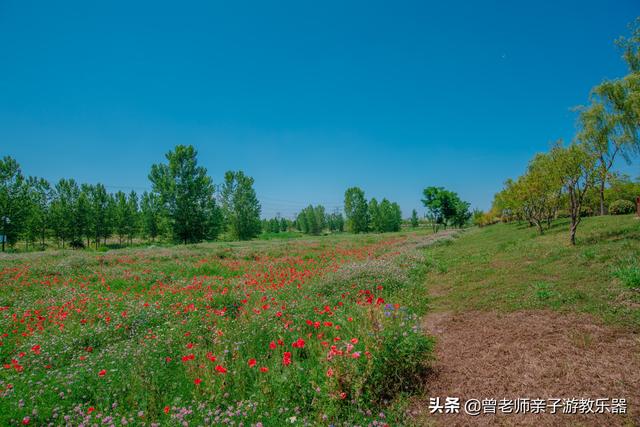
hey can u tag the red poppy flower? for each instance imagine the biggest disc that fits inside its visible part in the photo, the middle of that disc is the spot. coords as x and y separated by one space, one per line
102 373
36 349
264 369
252 363
221 369
286 358
197 381
166 409
272 345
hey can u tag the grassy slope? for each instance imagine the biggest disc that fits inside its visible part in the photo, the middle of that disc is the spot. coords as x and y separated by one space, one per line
510 267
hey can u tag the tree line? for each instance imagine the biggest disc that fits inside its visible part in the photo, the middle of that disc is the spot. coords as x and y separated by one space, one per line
183 205
362 215
576 179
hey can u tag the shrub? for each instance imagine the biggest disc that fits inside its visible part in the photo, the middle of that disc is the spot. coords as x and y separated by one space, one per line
621 207
401 366
586 211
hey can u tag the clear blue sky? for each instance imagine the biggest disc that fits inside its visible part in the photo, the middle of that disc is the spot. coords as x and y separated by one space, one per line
307 97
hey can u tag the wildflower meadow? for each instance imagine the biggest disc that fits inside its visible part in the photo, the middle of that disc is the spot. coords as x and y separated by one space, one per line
264 333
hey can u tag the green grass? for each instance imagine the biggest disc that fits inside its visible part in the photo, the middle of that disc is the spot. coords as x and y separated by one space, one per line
136 313
509 267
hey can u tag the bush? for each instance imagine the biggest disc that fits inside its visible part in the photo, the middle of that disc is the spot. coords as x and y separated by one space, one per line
77 244
621 207
586 211
401 366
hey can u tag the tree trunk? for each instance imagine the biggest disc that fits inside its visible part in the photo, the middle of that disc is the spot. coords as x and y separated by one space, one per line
574 227
602 210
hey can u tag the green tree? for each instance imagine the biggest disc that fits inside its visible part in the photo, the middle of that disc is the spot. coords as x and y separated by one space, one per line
414 219
40 196
99 202
356 210
576 167
14 206
133 215
151 215
63 211
335 221
376 222
187 195
435 200
241 206
122 216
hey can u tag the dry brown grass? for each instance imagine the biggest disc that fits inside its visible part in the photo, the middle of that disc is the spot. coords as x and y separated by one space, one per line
535 354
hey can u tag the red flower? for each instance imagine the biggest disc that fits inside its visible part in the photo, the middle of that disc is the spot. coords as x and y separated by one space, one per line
188 357
286 358
166 409
197 381
299 343
272 345
221 369
102 373
211 357
36 349
354 340
26 420
90 410
264 369
252 363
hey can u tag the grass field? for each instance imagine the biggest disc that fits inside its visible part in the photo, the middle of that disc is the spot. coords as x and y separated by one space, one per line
308 331
315 331
510 267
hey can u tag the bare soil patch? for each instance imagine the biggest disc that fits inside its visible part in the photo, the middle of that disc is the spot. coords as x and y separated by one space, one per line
531 354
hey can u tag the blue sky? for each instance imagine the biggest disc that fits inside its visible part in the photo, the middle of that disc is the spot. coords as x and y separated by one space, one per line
309 98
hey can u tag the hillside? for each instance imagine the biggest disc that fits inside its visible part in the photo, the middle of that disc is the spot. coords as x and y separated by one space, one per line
520 315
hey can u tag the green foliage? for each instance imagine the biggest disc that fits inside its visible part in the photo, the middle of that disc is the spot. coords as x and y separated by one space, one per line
14 208
621 207
240 206
405 357
385 216
335 221
312 220
445 207
356 210
187 194
151 215
414 219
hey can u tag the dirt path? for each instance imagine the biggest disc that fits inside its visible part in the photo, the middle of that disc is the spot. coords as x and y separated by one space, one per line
531 354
